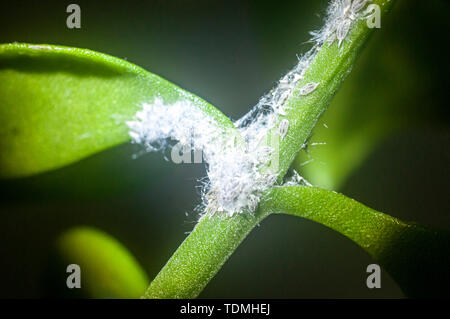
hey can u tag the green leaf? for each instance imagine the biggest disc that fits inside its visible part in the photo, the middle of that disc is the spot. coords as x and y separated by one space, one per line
60 104
329 68
108 270
417 257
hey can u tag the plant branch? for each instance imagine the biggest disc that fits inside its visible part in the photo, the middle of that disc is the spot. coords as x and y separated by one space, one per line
201 255
329 68
214 239
46 87
417 257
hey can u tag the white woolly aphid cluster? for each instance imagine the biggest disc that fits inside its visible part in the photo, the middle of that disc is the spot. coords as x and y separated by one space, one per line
181 121
264 116
235 178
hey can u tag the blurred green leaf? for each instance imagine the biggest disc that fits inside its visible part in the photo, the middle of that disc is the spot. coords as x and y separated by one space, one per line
60 104
108 270
384 94
417 257
364 113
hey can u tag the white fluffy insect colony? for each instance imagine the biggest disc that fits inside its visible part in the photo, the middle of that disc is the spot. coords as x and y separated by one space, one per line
236 178
341 15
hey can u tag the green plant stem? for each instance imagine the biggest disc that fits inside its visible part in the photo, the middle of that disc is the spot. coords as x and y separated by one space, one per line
213 240
372 230
417 257
329 69
201 255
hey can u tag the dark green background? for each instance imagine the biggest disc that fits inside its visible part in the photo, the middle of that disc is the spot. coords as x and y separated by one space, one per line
229 53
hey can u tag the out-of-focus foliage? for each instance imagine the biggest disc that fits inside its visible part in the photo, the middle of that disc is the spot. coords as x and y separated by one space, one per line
388 91
107 268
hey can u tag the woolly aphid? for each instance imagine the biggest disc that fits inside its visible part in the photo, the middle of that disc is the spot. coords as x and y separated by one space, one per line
235 171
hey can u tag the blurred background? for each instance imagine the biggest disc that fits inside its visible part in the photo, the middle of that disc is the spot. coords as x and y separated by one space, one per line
387 141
